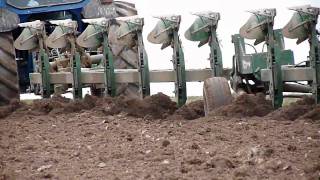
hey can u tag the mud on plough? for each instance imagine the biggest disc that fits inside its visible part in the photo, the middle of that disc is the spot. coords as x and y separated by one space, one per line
67 59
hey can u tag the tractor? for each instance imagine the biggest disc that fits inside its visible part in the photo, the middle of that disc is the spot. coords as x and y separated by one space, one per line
17 63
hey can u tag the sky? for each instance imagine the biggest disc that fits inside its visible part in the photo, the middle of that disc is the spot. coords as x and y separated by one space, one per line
233 16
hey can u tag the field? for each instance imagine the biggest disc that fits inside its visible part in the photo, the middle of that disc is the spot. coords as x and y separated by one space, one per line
132 139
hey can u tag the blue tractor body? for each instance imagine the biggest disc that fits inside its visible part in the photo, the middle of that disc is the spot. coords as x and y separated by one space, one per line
25 11
29 10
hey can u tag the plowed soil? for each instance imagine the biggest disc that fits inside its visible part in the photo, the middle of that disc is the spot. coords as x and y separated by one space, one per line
304 108
125 138
246 105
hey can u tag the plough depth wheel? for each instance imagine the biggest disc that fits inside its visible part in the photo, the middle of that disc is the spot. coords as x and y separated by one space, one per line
216 93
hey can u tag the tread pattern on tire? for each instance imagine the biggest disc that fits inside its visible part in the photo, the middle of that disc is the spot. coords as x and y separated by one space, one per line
125 58
9 84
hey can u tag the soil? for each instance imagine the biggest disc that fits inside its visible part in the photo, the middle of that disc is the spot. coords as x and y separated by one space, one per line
59 104
157 106
122 138
193 110
7 110
304 108
246 105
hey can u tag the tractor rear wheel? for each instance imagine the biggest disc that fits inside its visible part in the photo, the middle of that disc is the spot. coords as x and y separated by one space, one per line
9 84
216 93
124 57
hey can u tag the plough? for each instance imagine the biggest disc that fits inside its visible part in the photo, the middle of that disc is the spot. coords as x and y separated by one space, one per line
90 60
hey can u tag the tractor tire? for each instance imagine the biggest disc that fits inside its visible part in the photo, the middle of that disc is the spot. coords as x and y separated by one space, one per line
216 93
9 84
124 57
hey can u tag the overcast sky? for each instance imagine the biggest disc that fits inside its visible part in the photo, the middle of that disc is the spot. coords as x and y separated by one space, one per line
233 16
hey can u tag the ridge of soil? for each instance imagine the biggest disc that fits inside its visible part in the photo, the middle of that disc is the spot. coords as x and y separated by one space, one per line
190 111
304 108
160 106
245 105
12 107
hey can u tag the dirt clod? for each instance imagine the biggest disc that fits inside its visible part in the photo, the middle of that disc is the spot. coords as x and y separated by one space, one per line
165 143
193 110
195 146
7 110
313 114
47 105
304 108
58 104
246 105
158 106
